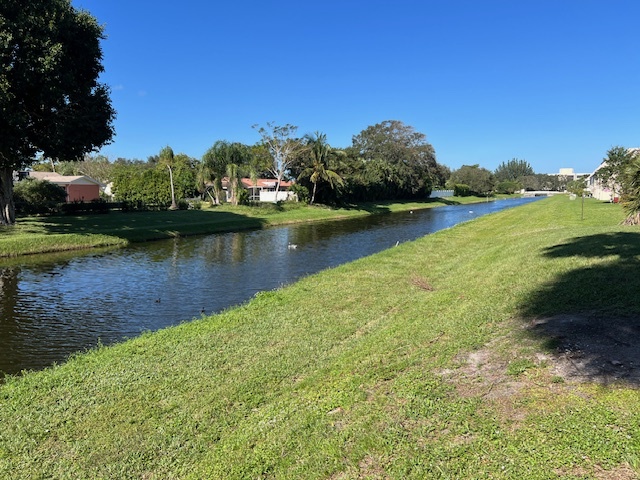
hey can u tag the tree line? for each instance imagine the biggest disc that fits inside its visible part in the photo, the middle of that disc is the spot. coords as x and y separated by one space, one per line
385 161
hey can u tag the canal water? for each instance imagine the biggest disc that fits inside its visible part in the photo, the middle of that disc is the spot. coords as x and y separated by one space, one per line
55 305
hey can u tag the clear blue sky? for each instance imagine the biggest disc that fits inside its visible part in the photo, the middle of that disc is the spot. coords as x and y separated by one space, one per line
553 82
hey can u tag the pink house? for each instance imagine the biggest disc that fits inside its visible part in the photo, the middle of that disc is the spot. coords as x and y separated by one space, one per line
79 188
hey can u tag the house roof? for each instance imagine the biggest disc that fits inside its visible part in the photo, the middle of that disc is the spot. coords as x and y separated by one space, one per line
260 183
264 183
58 179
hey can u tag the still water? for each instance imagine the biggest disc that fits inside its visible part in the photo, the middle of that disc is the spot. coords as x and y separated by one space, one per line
54 305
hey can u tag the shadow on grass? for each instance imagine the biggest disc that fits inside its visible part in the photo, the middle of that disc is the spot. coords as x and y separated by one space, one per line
446 201
382 207
370 207
142 226
590 317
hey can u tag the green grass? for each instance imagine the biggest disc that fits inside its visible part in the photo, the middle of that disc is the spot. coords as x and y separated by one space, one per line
60 233
412 363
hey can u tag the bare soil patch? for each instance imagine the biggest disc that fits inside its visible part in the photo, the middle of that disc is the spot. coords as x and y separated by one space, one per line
591 347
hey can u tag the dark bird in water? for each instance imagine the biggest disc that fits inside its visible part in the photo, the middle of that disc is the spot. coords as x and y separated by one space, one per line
157 300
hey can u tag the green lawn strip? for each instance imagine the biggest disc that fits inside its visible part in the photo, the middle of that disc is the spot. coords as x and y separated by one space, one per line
361 371
52 234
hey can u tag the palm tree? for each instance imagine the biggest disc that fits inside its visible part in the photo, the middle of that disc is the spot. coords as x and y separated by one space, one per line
234 182
631 191
204 177
167 158
317 171
214 167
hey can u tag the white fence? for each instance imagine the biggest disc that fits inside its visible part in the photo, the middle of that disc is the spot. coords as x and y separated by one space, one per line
266 196
441 193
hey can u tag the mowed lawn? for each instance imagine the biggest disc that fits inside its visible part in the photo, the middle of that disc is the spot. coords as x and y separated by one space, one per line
423 361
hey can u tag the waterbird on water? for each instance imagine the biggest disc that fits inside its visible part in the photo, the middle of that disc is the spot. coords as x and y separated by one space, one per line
292 246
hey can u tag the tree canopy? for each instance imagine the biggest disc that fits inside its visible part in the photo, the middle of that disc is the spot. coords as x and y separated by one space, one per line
513 170
390 160
283 147
50 96
478 180
316 167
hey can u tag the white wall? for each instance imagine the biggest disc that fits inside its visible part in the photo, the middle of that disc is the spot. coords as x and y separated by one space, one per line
271 196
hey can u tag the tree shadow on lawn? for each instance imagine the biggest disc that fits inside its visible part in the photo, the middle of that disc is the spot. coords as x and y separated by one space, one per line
444 200
383 207
590 316
139 226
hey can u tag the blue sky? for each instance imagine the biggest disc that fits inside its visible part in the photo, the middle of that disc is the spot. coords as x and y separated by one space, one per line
553 82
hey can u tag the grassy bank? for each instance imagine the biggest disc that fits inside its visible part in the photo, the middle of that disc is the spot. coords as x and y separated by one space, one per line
60 233
428 360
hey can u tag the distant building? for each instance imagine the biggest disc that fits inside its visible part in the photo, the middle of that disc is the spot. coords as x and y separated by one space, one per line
569 173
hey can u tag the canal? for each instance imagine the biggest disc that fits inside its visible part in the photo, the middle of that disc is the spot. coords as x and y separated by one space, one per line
55 305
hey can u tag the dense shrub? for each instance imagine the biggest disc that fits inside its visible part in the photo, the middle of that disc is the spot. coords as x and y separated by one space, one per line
302 192
508 186
461 190
94 206
38 196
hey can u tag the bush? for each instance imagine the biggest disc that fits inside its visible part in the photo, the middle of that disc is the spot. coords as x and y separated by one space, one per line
195 204
94 206
243 196
508 186
38 196
301 192
461 190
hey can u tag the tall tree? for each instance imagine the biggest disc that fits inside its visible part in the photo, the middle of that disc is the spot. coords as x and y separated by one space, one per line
631 196
317 170
399 162
282 147
513 170
479 180
167 159
395 142
233 182
50 97
215 161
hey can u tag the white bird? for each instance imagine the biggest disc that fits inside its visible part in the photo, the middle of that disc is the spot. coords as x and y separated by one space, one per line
292 246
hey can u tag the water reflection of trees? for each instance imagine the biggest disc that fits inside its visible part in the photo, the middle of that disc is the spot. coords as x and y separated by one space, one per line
8 293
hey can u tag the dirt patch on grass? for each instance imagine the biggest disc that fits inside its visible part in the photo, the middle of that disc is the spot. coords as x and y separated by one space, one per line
483 373
591 347
575 349
622 472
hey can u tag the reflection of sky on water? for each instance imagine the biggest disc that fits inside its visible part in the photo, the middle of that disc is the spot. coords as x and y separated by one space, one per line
66 303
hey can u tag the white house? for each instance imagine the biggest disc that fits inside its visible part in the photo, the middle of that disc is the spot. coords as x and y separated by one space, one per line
601 191
264 189
597 189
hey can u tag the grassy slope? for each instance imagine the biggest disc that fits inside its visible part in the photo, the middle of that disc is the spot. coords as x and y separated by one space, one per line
52 234
357 372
